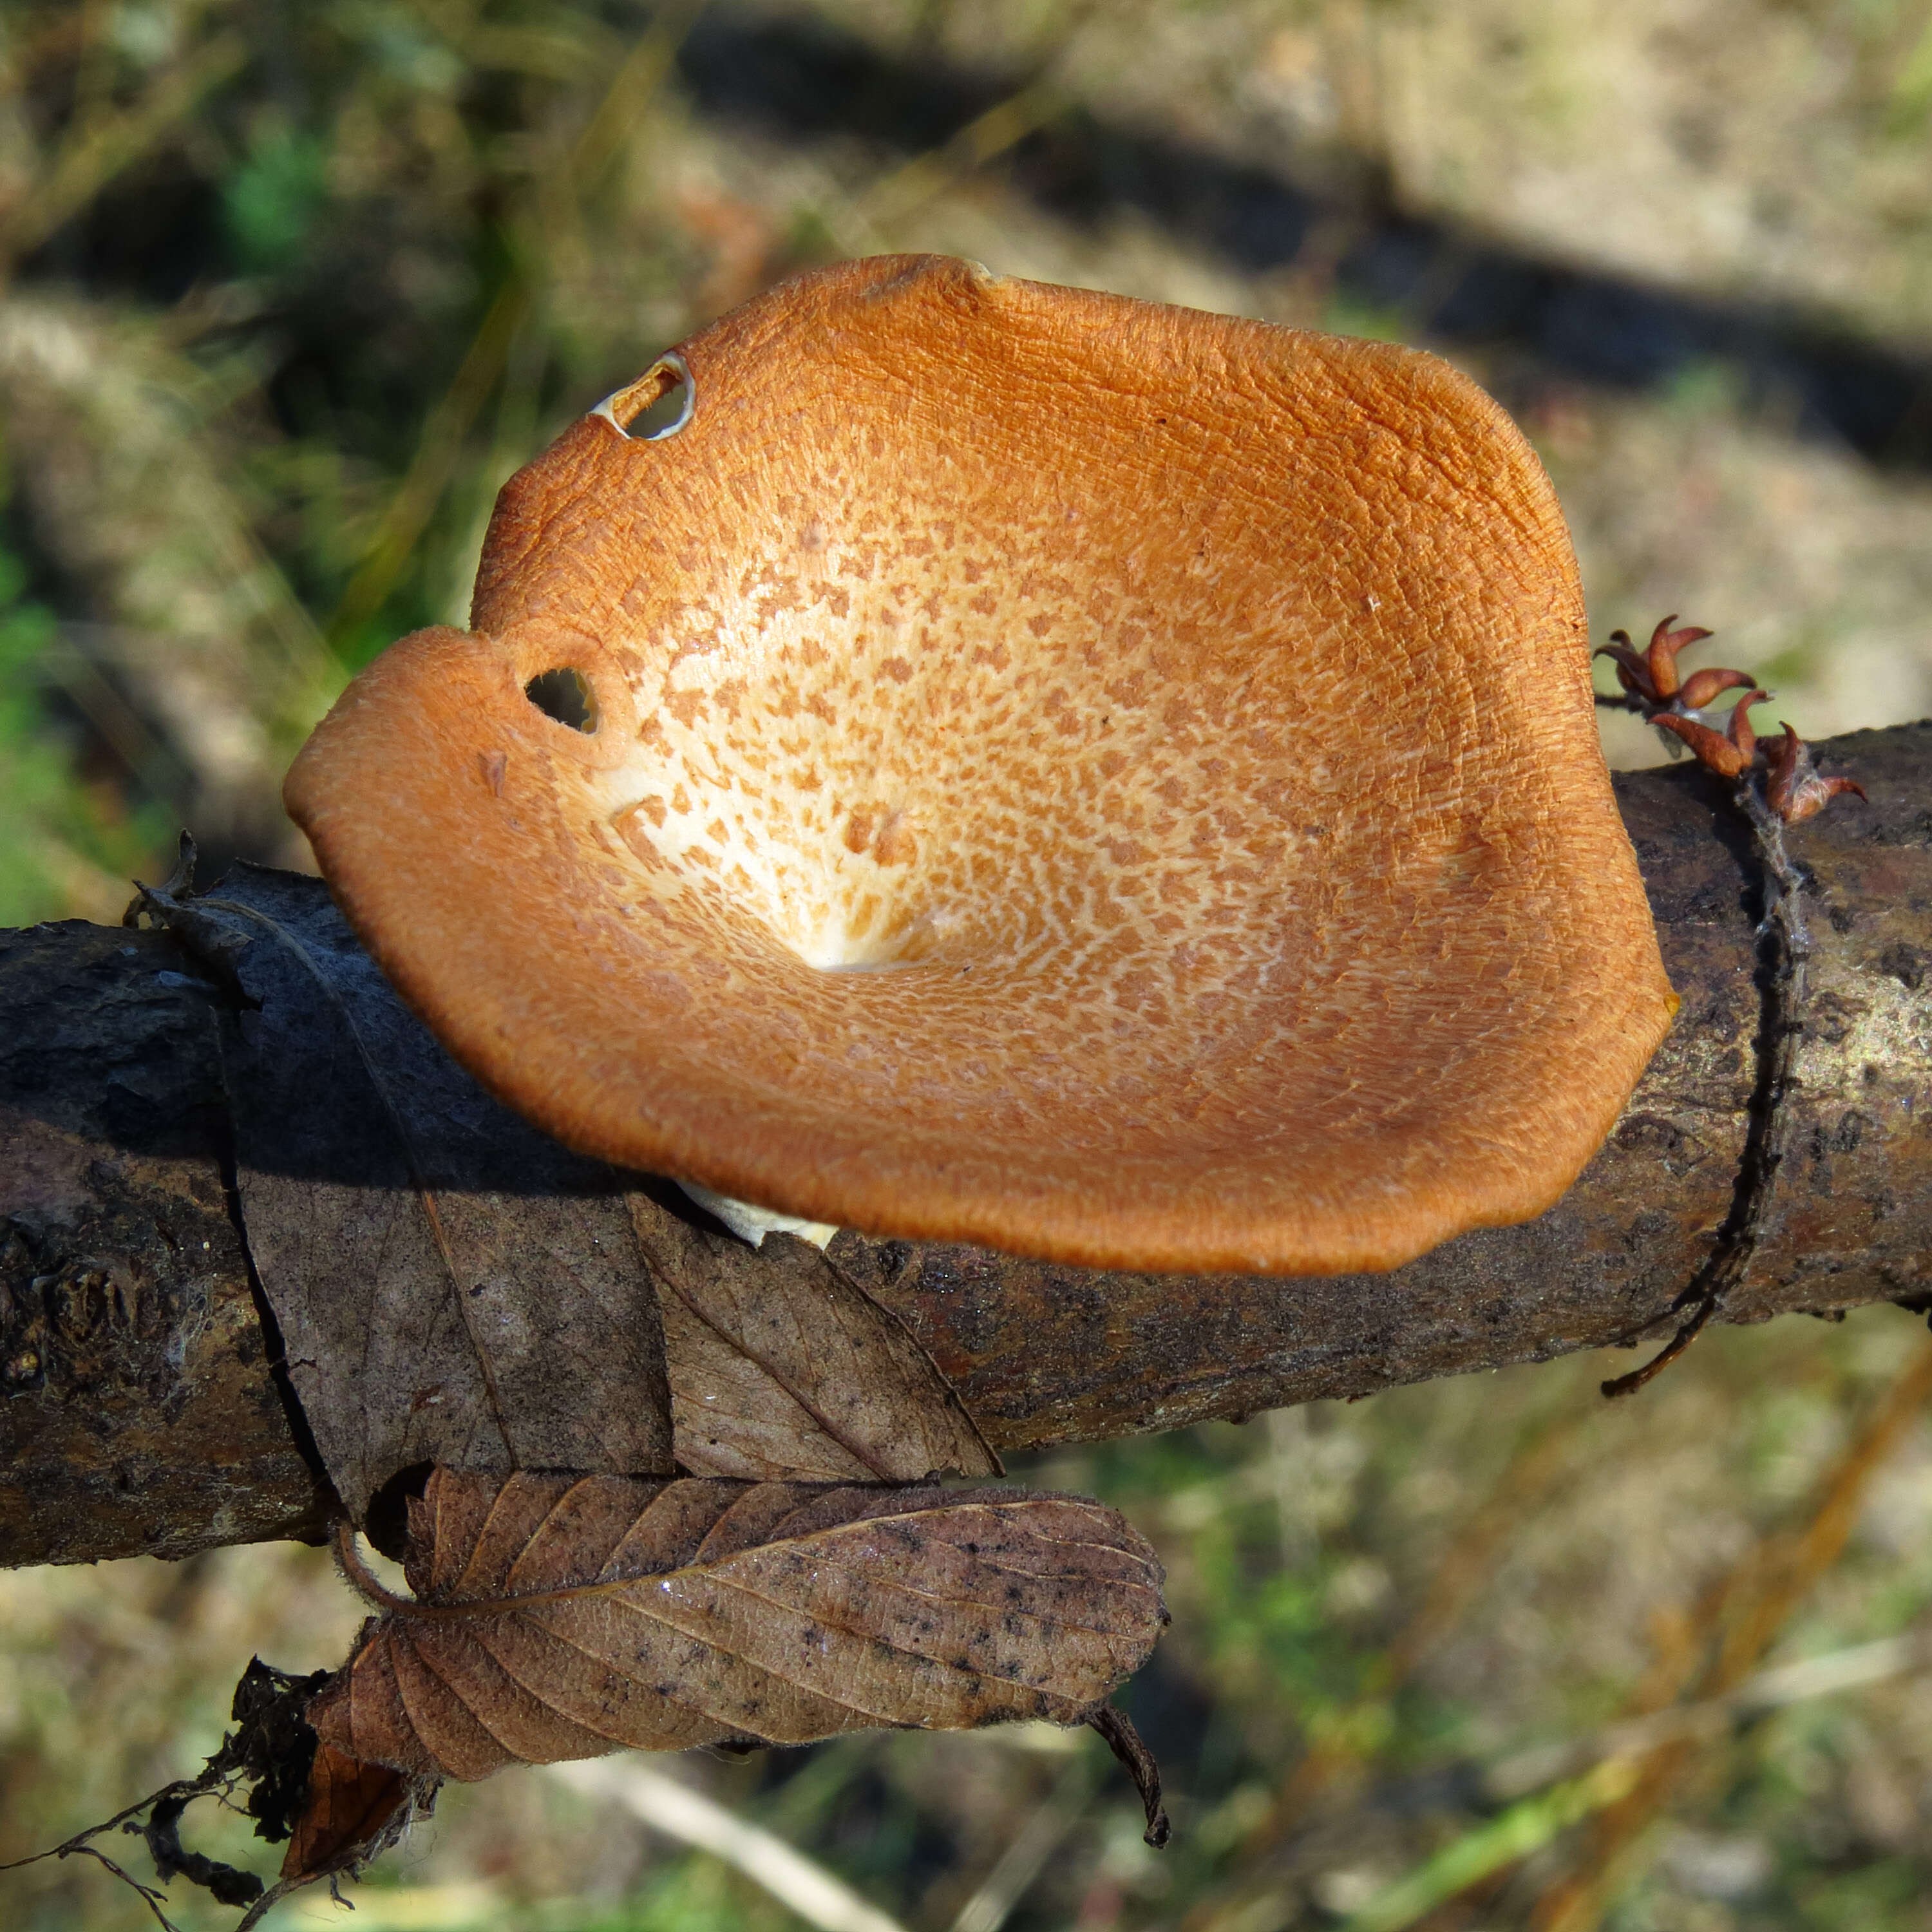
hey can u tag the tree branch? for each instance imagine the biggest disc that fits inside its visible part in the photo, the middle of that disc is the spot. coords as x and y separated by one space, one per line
146 1414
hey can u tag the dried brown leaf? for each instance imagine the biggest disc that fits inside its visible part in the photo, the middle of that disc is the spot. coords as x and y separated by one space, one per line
351 1808
780 1366
452 1286
563 1617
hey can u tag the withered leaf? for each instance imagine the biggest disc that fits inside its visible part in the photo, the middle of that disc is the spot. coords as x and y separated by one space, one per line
229 1884
780 1366
452 1286
563 1617
352 1811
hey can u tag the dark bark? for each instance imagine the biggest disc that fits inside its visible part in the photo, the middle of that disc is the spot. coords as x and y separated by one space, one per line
144 1413
141 1412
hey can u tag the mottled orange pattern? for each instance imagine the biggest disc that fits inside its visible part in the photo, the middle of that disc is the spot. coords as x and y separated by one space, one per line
1098 779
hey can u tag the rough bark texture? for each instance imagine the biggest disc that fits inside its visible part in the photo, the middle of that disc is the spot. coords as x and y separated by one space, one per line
144 1414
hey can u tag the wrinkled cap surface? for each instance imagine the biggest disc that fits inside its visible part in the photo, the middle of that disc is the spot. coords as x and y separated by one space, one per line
1018 765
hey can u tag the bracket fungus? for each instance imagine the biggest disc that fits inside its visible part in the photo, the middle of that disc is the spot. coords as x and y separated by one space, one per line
977 760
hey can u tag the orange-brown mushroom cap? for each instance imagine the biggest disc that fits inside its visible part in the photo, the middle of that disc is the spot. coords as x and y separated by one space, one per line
1100 780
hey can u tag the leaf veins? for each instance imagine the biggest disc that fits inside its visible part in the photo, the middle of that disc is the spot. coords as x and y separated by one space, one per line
780 1366
563 1617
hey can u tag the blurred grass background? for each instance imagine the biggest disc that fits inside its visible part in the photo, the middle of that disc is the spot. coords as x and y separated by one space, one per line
288 287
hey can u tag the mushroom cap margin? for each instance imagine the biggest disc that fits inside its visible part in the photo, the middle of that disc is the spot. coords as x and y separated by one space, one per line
1349 535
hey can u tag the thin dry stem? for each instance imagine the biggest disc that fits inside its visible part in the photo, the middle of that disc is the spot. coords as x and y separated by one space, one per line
1770 1131
1751 1605
618 116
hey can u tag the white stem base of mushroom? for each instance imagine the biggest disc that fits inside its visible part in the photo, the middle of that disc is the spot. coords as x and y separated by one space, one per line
751 1223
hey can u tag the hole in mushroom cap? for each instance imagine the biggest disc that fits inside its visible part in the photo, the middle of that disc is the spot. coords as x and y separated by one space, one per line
564 694
657 406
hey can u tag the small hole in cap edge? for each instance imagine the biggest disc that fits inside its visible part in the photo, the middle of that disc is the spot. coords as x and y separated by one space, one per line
565 694
645 414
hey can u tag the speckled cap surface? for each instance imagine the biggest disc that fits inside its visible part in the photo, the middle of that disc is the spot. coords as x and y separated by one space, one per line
1095 779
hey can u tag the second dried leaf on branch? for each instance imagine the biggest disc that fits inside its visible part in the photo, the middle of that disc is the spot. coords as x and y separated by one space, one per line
780 1366
561 1617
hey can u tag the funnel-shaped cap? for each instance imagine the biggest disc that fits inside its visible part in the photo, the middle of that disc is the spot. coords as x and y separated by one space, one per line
987 761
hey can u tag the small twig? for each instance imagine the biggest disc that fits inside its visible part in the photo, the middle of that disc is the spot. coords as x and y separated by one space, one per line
269 1901
79 1842
1655 687
178 1793
254 1750
150 1897
1769 1131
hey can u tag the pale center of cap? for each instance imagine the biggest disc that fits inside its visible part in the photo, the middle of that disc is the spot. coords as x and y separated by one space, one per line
966 765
